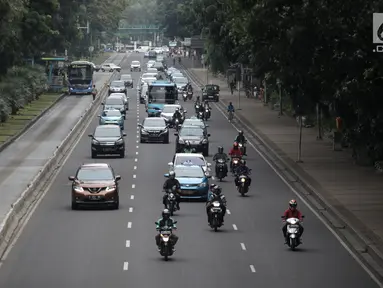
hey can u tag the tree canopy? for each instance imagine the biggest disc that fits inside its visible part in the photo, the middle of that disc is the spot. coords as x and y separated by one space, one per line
29 28
320 50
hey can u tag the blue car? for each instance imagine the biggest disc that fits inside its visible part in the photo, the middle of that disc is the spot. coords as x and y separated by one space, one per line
193 180
113 117
154 109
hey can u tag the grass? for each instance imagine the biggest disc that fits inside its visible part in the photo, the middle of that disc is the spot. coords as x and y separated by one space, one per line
101 58
16 123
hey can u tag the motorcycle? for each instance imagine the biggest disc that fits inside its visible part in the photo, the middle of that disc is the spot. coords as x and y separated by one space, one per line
196 107
293 232
206 113
243 186
216 212
185 96
171 202
221 168
176 123
200 115
234 163
190 95
166 249
242 147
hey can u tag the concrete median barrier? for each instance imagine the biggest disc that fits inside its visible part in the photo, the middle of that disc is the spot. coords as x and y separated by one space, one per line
33 192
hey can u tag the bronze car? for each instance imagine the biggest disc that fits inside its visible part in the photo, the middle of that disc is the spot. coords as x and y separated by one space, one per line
95 184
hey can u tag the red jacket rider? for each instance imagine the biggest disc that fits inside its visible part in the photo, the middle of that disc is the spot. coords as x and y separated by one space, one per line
292 212
235 151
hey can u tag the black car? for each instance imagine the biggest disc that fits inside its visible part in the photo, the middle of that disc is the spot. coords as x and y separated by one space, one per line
159 66
210 92
128 80
117 86
154 130
114 103
108 139
95 184
196 136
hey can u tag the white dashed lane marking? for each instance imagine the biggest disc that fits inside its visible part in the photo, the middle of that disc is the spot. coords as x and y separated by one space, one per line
131 209
135 160
228 211
137 153
243 246
129 225
235 227
132 197
126 266
127 244
252 269
134 176
135 167
133 186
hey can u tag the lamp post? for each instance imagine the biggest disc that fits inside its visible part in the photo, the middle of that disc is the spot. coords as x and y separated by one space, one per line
279 83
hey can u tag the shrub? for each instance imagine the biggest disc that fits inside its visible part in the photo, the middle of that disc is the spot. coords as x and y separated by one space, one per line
19 87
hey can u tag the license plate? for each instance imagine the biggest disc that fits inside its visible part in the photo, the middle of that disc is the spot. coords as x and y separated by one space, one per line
94 197
108 149
187 192
211 96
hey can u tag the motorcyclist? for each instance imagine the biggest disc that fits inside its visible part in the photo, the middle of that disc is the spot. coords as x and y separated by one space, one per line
168 185
242 169
197 101
189 88
230 108
188 148
177 115
292 212
206 104
241 139
166 221
220 155
235 152
215 195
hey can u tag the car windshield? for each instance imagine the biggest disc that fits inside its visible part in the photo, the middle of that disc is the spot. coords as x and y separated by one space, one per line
95 174
170 109
189 172
135 62
107 131
111 113
158 64
193 123
189 160
189 131
181 81
126 77
114 101
154 123
117 84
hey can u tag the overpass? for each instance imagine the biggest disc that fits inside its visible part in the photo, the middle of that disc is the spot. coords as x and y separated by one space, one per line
139 32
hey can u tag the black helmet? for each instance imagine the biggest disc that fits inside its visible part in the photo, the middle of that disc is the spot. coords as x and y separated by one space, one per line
220 149
172 174
166 214
240 133
217 190
212 187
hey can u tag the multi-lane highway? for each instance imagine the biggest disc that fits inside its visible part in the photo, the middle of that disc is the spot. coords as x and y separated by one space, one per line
62 248
22 160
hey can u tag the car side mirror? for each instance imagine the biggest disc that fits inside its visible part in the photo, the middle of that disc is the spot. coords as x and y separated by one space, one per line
102 103
140 125
166 175
208 135
170 164
156 223
118 178
71 178
208 164
90 135
99 116
175 134
206 125
124 134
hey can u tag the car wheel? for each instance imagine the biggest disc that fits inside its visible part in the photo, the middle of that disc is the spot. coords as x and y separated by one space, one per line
122 154
94 155
74 206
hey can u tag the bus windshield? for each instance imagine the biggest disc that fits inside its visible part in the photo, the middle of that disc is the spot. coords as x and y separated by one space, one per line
162 94
80 73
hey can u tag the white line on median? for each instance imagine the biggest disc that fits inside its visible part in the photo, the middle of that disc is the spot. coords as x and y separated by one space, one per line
126 266
131 209
129 225
127 244
252 269
243 246
132 197
133 186
235 227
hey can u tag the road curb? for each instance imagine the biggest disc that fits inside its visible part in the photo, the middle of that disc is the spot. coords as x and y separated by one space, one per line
20 208
13 138
362 247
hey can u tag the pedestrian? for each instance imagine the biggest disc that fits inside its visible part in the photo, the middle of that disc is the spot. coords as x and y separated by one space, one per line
232 85
94 92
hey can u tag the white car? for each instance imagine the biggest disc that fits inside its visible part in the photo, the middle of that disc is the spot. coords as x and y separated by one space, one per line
168 111
110 67
191 159
150 63
135 66
123 97
148 75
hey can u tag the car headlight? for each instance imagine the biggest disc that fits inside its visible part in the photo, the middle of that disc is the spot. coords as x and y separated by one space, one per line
204 141
181 141
78 189
143 131
119 142
203 184
94 141
110 188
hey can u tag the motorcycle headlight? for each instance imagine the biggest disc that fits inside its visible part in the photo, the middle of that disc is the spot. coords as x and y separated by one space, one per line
119 141
110 188
243 180
203 184
78 189
94 141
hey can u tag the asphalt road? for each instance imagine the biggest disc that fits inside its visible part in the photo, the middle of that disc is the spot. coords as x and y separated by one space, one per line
21 161
62 248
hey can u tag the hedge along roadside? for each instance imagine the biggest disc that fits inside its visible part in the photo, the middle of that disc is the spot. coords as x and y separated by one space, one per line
11 224
13 138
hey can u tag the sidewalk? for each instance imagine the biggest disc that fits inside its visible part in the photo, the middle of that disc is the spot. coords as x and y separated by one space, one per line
356 192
